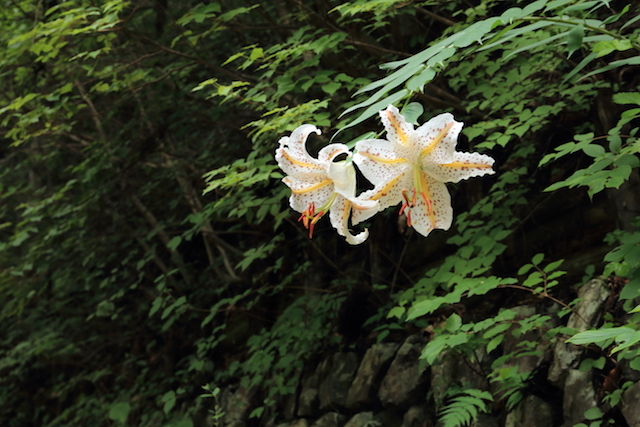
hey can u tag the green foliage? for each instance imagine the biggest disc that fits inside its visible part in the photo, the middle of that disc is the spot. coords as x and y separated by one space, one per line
128 280
463 408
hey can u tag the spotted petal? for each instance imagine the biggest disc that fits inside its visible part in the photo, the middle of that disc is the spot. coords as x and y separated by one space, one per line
462 166
436 140
292 155
339 217
437 213
385 165
399 131
343 175
312 189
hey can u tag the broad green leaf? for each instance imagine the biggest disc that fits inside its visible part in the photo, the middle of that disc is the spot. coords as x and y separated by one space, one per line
412 112
600 335
375 108
593 150
627 98
574 39
119 412
453 323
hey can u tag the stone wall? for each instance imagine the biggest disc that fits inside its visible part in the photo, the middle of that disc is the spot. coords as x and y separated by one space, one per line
385 385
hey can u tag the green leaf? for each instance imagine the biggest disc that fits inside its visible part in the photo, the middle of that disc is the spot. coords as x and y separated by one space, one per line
600 335
497 329
453 323
635 364
412 112
627 98
537 259
603 48
169 400
593 413
174 243
396 312
552 266
634 60
495 342
593 150
119 412
331 88
574 39
375 108
524 269
417 82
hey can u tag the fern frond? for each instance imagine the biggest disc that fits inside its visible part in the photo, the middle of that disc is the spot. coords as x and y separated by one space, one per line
463 409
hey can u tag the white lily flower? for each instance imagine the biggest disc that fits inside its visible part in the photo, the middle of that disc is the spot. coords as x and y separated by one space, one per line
413 165
321 185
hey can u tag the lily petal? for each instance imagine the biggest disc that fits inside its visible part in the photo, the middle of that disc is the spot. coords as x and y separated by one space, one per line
339 217
437 138
312 189
398 129
343 175
292 156
437 213
462 166
331 151
382 162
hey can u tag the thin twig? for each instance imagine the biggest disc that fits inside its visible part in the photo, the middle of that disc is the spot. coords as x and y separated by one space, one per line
435 16
151 219
94 112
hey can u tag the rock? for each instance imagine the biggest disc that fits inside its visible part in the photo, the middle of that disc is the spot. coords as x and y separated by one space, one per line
486 420
236 406
513 344
630 408
387 418
335 386
628 373
300 423
330 419
483 420
531 412
405 383
363 389
360 420
447 371
308 401
289 403
579 396
416 416
587 312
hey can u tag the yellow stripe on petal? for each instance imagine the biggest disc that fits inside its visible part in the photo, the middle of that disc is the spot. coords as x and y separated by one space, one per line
438 138
312 187
385 190
427 200
396 126
381 159
462 165
298 162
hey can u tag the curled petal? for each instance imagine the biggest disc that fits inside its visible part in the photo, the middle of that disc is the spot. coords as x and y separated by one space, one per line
339 216
363 209
331 151
313 189
343 175
292 156
462 166
398 129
